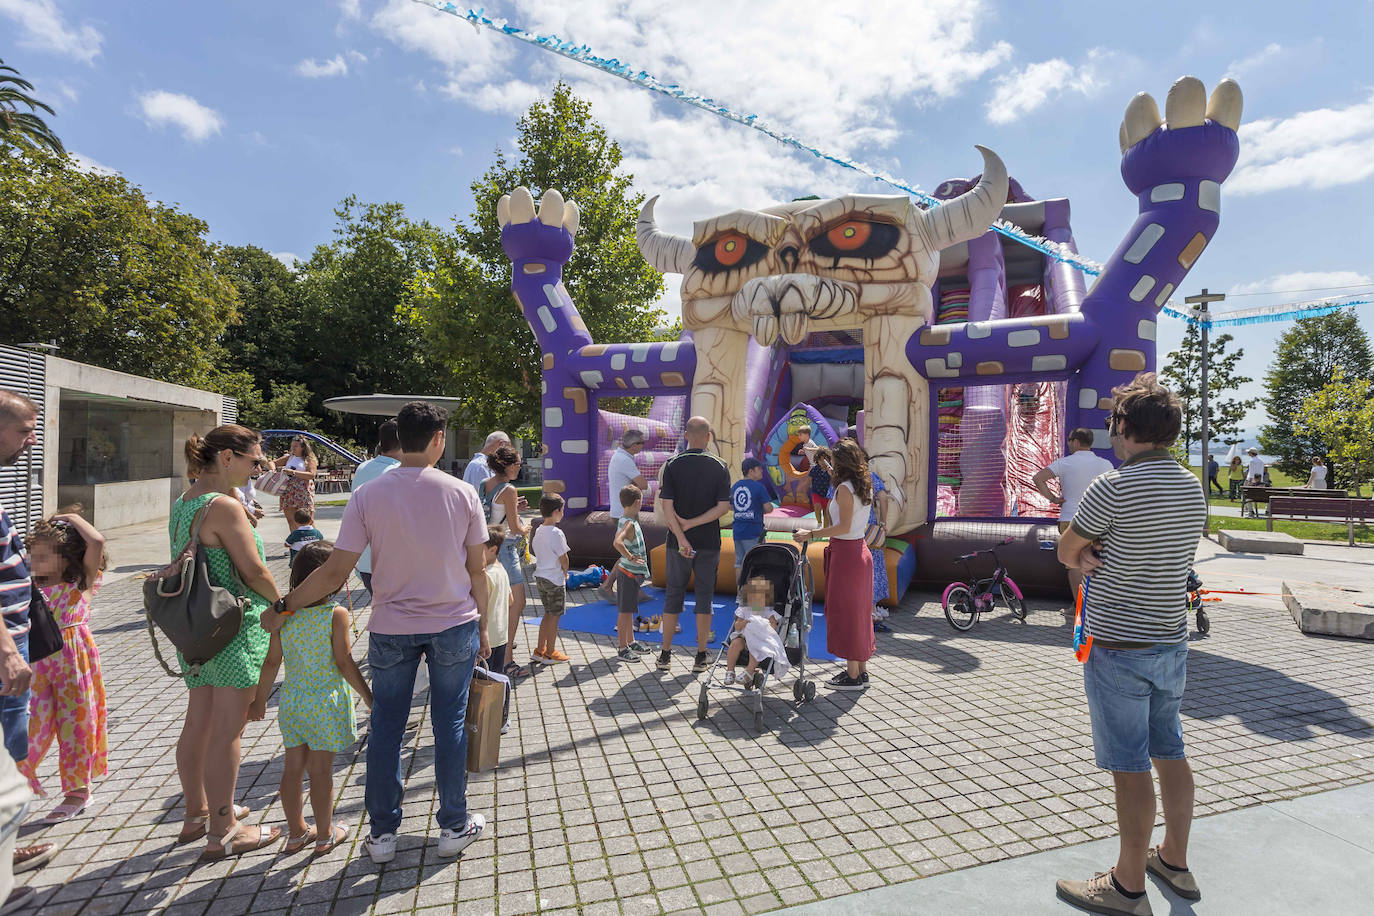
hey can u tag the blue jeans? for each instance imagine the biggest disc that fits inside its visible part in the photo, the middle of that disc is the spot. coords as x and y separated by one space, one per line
393 661
742 547
14 713
510 556
1133 701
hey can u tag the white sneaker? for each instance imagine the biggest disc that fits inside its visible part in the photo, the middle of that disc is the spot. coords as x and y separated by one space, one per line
381 848
452 842
729 678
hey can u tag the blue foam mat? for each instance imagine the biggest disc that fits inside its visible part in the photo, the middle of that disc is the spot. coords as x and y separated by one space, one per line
600 617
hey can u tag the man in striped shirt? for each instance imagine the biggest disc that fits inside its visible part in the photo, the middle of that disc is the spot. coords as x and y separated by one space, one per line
1134 536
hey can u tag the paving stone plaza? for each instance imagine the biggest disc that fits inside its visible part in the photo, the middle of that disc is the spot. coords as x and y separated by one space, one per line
612 798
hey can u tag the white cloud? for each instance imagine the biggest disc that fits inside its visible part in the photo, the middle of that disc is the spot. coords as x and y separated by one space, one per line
807 67
1238 68
1322 148
1022 91
196 121
351 9
358 57
87 164
68 91
289 258
1318 282
313 69
45 29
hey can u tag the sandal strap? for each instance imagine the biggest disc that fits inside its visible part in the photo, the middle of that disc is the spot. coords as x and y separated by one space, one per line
228 837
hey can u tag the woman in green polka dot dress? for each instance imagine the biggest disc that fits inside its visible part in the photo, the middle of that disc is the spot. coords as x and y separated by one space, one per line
221 691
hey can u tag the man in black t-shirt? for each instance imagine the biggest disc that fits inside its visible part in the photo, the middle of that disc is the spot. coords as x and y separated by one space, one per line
695 492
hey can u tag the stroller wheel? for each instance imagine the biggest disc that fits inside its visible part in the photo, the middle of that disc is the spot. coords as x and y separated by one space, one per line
798 691
810 691
758 721
1204 623
701 704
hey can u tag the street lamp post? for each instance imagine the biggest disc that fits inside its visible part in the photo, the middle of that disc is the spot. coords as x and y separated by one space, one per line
1204 323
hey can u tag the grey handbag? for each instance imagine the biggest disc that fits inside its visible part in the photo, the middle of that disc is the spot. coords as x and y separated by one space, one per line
199 618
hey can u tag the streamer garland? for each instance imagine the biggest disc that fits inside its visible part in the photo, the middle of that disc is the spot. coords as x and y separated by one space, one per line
1058 251
1264 314
583 55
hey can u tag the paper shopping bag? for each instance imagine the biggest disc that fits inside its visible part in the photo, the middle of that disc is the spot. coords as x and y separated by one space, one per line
486 706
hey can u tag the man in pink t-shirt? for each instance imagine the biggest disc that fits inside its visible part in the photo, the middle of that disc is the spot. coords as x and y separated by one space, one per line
429 598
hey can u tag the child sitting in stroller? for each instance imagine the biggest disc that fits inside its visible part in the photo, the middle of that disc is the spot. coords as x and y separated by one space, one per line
755 628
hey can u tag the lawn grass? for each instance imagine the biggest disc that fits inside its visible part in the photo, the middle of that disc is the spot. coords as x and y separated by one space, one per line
1303 531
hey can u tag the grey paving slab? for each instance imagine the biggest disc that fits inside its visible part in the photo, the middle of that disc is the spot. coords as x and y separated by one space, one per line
1295 857
969 748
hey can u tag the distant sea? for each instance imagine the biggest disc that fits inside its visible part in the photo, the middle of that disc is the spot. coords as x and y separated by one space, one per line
1221 450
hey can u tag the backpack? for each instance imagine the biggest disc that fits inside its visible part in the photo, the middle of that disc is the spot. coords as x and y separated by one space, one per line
199 618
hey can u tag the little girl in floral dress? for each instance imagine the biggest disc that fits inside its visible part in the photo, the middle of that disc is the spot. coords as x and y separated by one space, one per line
67 556
315 707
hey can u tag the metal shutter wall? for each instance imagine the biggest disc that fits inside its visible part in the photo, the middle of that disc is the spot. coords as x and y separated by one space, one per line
229 410
21 486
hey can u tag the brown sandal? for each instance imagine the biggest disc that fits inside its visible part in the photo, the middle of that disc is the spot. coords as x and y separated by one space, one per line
296 843
197 832
229 848
337 835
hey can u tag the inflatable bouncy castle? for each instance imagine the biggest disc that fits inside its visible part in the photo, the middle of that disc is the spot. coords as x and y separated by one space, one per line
957 356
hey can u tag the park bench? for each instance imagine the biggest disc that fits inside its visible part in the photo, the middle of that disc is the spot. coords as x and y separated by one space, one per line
1319 509
1252 496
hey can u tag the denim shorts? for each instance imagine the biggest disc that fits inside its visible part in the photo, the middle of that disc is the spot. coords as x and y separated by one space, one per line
1133 701
509 555
742 547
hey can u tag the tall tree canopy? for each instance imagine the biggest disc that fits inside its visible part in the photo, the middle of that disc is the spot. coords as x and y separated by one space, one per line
1341 415
117 280
475 328
1183 374
1304 363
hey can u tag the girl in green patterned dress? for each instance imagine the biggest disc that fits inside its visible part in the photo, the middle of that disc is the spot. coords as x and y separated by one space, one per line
315 709
208 750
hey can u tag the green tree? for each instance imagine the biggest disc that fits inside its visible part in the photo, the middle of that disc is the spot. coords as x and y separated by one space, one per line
360 332
270 341
1183 374
1305 362
1341 415
21 128
117 280
287 408
474 328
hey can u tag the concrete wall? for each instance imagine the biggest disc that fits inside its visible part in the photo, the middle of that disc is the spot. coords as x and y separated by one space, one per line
193 411
114 505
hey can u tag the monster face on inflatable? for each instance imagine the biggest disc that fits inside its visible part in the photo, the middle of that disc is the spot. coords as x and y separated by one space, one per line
862 263
849 279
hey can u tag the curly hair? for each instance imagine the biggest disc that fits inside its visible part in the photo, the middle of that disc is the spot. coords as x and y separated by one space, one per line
852 466
67 543
502 458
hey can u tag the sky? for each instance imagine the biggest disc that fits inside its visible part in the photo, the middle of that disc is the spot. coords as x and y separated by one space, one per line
258 117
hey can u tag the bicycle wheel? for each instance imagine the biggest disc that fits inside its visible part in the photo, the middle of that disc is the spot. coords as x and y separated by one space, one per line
1013 600
960 609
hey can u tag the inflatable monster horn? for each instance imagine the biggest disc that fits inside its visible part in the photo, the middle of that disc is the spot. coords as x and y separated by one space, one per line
970 214
669 254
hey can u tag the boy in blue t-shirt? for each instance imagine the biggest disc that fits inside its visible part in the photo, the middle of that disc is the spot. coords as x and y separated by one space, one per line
303 531
749 501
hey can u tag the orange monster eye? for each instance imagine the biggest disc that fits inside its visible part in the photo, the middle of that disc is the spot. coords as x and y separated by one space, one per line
849 236
730 249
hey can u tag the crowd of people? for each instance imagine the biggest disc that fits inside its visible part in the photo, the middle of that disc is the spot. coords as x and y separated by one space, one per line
446 563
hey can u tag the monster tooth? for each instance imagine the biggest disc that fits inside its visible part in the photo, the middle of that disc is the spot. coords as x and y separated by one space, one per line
551 208
1121 137
793 327
1225 105
521 206
791 299
503 211
765 330
572 217
1142 118
1186 104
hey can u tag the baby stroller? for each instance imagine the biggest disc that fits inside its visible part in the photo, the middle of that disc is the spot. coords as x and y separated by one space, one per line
789 572
1195 590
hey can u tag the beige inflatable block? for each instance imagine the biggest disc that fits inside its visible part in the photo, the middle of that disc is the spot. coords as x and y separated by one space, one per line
579 398
990 367
1126 360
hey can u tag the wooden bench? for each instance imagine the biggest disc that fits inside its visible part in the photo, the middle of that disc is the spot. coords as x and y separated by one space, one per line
1251 496
1345 511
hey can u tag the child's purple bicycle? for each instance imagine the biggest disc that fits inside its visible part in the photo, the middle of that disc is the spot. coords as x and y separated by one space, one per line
963 602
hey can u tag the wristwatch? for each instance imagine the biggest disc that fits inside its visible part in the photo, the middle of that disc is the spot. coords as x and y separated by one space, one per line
279 607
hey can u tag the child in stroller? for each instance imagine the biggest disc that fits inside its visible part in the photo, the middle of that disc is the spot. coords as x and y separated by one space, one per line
756 627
